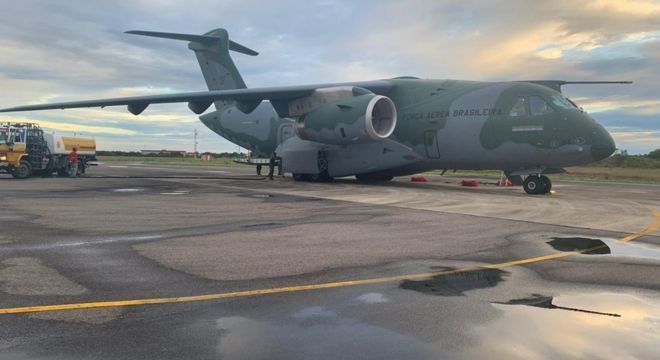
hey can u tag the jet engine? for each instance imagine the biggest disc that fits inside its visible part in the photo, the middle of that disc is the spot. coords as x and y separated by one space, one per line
353 120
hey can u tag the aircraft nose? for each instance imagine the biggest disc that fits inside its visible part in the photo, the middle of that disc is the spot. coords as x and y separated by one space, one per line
602 145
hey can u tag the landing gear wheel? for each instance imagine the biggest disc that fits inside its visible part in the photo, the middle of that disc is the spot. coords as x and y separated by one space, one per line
547 184
533 185
299 177
24 170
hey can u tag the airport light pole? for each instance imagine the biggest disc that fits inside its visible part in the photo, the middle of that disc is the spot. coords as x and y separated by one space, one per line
195 143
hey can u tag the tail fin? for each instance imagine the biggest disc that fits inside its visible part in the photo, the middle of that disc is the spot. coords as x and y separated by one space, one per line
212 51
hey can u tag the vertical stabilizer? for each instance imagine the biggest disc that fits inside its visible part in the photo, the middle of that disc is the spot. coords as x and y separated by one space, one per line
217 66
212 51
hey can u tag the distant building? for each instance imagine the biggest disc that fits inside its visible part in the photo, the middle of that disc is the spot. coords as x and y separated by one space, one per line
163 152
207 157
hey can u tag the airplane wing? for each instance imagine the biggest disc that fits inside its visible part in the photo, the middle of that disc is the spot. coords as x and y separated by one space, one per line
198 102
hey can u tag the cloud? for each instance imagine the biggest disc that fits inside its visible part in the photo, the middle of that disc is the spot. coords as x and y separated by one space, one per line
79 51
69 127
630 106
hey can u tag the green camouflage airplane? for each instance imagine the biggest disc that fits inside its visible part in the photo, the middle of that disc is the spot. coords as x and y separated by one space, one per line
376 130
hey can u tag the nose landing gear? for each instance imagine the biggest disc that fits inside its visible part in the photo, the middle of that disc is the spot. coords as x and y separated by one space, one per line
537 185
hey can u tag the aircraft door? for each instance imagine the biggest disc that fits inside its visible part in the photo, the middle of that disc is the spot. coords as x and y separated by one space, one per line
431 144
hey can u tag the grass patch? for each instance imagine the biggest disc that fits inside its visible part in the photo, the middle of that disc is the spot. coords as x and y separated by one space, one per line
180 161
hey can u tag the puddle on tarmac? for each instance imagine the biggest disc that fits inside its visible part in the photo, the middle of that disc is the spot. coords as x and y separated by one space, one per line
456 284
587 245
176 192
591 246
128 190
596 325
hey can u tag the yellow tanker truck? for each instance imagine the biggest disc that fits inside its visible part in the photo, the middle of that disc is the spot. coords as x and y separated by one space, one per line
25 150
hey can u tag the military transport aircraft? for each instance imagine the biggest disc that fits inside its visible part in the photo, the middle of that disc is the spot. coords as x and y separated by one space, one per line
376 130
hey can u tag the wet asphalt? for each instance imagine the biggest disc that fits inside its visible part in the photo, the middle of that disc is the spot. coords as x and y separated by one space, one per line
493 283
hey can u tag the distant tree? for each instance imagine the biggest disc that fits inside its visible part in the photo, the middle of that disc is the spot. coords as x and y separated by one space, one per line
655 154
621 152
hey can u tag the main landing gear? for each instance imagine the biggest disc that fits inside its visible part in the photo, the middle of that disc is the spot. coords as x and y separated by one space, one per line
537 185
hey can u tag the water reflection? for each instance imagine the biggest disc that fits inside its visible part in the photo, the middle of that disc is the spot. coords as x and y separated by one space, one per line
586 245
326 338
590 246
456 284
534 330
546 302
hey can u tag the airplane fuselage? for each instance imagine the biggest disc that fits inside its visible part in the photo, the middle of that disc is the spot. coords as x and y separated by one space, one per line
441 124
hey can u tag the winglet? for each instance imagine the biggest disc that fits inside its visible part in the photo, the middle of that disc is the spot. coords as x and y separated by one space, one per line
204 39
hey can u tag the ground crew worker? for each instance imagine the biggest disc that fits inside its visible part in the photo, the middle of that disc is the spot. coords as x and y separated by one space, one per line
73 162
271 165
258 169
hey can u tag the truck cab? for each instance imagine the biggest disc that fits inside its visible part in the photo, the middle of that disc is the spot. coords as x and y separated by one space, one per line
14 157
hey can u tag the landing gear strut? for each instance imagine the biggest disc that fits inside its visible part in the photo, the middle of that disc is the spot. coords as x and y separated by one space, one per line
537 185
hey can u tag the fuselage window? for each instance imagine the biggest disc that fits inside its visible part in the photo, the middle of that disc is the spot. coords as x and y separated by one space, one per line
519 108
562 102
538 106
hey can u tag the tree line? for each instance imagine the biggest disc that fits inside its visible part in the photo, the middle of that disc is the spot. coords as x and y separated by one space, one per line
621 158
166 154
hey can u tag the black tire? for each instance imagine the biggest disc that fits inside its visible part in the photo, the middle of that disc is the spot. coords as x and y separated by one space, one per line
547 184
299 177
533 185
23 171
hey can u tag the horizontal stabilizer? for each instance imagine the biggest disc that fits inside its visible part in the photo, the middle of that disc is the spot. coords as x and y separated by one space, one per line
557 84
204 39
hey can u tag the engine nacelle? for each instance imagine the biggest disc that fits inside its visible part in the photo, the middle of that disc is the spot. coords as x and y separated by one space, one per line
353 120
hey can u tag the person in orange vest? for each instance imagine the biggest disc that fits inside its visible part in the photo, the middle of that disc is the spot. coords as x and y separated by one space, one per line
73 162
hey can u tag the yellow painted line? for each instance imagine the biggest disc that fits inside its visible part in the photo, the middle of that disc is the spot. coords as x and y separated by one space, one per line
649 230
247 293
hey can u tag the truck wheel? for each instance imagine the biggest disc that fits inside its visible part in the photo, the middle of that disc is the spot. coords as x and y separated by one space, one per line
24 170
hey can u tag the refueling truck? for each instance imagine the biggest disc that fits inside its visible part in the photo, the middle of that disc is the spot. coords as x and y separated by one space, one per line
26 150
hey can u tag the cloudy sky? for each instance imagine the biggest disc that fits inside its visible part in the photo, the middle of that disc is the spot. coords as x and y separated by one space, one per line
72 50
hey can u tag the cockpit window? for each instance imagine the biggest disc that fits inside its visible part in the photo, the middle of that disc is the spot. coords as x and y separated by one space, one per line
562 102
538 106
519 108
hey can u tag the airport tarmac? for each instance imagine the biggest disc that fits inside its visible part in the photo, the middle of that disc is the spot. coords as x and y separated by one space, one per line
158 262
